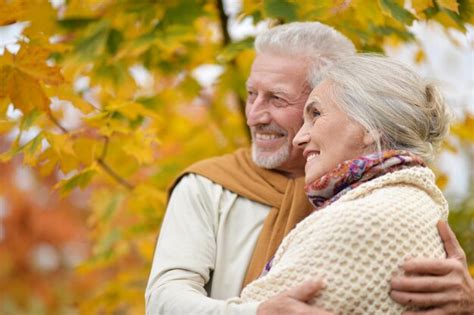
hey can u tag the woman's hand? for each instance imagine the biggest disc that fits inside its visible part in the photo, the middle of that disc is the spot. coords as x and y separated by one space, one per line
294 301
444 285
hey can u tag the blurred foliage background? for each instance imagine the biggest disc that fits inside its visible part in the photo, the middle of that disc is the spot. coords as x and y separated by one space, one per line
103 102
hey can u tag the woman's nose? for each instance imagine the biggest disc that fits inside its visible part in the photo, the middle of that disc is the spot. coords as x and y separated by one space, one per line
301 138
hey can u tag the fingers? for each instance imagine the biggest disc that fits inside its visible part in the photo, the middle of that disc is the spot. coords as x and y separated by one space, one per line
429 266
420 299
428 312
306 291
420 284
451 244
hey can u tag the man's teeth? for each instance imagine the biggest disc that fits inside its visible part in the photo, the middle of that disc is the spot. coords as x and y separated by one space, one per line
266 136
311 156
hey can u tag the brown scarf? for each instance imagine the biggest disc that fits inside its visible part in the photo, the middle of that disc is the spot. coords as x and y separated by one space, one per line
237 173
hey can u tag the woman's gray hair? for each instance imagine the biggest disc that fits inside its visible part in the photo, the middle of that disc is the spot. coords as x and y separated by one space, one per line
321 45
400 109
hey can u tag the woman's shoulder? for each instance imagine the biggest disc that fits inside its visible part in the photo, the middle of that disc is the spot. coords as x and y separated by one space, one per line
411 189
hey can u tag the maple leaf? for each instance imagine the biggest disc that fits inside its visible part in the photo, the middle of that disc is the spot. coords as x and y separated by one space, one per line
21 76
33 61
25 92
10 12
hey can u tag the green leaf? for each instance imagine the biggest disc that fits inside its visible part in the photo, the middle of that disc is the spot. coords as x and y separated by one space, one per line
114 40
92 45
232 50
466 10
185 12
80 180
396 11
280 9
29 119
75 23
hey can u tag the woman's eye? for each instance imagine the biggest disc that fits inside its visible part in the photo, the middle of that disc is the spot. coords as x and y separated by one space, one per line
315 113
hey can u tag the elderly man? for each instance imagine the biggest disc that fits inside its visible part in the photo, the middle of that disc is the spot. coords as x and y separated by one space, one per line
226 216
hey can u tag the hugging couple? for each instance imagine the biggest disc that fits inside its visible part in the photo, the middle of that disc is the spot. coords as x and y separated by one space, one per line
332 210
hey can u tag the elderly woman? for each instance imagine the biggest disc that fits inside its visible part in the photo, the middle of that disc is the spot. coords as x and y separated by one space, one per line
370 125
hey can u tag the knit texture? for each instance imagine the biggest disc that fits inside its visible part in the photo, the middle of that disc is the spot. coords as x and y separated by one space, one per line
358 243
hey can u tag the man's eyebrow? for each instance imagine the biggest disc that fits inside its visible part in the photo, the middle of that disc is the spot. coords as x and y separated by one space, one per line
278 91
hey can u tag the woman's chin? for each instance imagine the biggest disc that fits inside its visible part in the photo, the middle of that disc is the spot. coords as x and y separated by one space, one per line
308 179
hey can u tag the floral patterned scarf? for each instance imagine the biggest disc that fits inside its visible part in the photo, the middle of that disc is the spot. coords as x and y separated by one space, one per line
352 173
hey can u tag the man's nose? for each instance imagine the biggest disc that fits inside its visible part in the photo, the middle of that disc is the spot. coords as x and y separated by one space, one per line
258 112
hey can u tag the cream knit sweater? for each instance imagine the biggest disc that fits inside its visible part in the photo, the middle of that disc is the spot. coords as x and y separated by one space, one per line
357 243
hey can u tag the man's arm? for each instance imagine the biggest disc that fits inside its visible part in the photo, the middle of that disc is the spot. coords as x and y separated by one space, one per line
443 285
185 256
294 301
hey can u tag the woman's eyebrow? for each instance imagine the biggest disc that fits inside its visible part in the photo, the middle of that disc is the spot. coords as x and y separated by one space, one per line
311 105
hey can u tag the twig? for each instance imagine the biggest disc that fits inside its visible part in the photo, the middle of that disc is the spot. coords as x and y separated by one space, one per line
101 160
115 176
56 122
108 169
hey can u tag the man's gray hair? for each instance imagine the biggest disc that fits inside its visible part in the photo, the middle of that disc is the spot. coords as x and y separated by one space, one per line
391 101
318 44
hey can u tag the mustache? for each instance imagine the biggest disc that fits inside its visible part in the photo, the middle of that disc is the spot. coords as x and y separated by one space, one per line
269 128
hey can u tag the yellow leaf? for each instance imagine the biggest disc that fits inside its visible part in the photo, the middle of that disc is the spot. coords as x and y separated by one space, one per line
420 56
421 5
140 146
26 93
465 129
31 150
6 59
449 4
6 126
10 12
444 19
367 11
63 151
86 150
65 92
42 17
48 161
442 181
32 60
61 143
4 78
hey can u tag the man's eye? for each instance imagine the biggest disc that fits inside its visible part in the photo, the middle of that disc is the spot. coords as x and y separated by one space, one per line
251 95
278 101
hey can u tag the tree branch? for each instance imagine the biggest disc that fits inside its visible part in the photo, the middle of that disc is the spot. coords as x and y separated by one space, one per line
101 160
105 167
224 21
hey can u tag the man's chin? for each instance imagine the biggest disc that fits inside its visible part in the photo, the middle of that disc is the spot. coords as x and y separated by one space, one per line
269 160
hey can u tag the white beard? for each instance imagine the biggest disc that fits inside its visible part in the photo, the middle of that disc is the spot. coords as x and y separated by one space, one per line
273 160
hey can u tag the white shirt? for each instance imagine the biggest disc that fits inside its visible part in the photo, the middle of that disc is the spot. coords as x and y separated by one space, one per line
206 241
